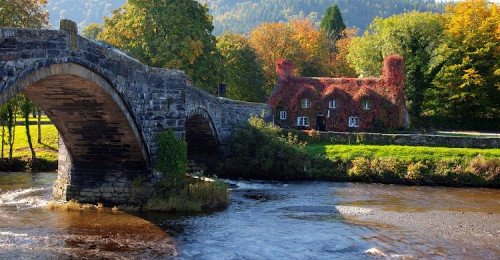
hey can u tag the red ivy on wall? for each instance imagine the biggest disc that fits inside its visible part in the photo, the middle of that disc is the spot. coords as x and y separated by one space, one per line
385 96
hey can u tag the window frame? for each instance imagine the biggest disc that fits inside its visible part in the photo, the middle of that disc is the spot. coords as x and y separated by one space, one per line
305 103
334 102
283 115
353 122
303 121
367 105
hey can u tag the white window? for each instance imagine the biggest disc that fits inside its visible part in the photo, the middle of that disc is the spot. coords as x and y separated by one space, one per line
367 105
332 103
302 121
353 121
283 115
306 103
329 113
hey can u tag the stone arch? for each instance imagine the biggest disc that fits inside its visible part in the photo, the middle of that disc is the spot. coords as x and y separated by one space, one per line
202 137
96 125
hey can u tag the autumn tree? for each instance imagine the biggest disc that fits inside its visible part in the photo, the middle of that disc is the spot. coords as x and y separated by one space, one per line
416 36
297 40
242 72
23 13
168 34
92 30
468 86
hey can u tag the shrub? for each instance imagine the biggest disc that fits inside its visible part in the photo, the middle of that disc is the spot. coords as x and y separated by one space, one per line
263 150
360 169
417 172
388 169
487 169
172 161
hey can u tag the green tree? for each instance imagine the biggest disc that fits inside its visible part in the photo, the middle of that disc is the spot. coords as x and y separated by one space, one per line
169 34
241 71
23 13
416 36
468 86
172 161
92 30
26 14
26 108
333 23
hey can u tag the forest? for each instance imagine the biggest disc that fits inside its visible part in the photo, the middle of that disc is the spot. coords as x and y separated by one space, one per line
242 16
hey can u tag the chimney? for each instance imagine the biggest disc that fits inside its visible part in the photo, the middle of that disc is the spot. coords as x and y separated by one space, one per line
221 91
394 71
284 69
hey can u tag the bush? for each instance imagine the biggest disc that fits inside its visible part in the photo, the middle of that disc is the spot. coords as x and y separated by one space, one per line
487 169
417 172
388 170
172 161
360 169
262 150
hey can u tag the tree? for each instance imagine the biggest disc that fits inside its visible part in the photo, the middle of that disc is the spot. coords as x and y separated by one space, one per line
468 84
23 13
416 36
92 31
20 13
168 34
333 23
26 108
297 40
338 65
241 71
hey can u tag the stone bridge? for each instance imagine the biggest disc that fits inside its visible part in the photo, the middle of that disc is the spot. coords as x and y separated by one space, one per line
109 109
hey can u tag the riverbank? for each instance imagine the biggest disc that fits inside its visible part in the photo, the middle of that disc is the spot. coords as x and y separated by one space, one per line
264 151
393 164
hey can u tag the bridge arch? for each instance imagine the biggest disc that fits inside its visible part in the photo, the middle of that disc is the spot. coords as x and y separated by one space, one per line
201 137
96 125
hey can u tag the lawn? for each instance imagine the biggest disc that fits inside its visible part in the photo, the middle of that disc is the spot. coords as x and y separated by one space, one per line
404 153
46 150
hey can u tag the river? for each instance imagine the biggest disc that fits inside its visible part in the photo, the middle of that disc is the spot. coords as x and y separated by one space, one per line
309 220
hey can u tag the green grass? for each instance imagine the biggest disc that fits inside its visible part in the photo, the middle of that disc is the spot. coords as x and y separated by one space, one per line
47 150
404 153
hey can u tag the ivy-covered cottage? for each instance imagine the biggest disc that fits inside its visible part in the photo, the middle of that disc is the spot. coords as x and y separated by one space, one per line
340 104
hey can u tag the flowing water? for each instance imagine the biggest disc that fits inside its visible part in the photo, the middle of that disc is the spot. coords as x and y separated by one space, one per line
310 220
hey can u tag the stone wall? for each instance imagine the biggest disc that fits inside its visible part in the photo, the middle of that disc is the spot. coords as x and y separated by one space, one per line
225 114
410 139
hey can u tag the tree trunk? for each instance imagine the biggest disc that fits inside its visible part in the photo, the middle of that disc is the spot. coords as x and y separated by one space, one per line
26 112
3 138
38 122
11 130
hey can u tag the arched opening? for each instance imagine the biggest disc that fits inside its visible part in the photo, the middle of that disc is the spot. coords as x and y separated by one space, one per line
98 131
201 138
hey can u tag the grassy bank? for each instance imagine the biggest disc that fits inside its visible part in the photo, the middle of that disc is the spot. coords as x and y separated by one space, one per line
263 151
405 164
46 151
405 153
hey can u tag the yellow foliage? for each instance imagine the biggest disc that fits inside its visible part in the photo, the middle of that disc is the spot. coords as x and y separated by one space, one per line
473 20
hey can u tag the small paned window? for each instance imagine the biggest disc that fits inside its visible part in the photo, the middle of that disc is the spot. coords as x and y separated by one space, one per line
302 121
282 115
306 103
367 105
353 121
332 104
